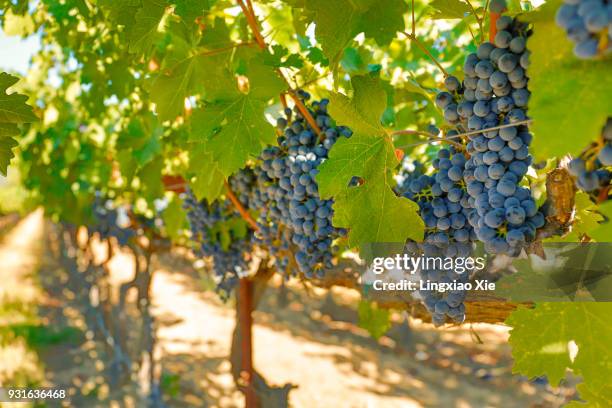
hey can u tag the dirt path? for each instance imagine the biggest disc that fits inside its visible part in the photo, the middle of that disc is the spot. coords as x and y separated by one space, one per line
334 363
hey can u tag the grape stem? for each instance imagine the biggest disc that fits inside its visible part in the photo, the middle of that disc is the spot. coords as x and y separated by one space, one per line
478 20
429 136
414 39
473 132
243 212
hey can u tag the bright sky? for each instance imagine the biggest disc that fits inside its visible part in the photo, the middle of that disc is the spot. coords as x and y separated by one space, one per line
15 53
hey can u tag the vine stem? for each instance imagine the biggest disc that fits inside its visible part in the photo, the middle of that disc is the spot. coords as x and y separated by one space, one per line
425 50
478 20
243 212
429 136
473 132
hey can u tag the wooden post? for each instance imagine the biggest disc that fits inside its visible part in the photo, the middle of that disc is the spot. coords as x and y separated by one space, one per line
245 292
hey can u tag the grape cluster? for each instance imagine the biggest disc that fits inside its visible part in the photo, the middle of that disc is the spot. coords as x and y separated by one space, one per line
291 213
230 263
590 169
588 24
111 221
494 95
445 209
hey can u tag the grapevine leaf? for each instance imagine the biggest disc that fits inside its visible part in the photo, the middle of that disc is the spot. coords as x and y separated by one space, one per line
373 319
449 9
243 131
371 211
169 90
13 107
208 182
8 129
602 232
339 21
13 111
264 83
6 153
540 339
174 217
586 221
189 10
144 31
382 21
560 82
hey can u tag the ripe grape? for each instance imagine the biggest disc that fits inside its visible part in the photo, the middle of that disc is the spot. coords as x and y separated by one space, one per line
590 172
587 24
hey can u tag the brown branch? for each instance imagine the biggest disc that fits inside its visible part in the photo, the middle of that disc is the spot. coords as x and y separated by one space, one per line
305 113
425 50
253 24
243 212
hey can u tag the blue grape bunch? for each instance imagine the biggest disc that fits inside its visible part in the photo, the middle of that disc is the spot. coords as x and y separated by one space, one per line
588 24
229 264
593 169
291 212
444 207
494 95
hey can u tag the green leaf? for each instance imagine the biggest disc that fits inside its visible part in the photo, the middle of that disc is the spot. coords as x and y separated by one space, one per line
6 153
559 83
144 30
371 211
587 221
602 232
339 21
449 9
208 182
169 89
13 107
540 340
189 10
174 217
375 320
243 131
13 111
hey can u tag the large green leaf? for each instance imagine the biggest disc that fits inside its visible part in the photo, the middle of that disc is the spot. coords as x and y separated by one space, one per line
571 98
371 211
339 21
540 340
240 130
